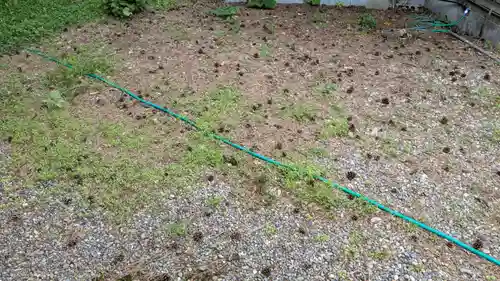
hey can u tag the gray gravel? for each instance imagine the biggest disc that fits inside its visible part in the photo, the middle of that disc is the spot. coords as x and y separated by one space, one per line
238 241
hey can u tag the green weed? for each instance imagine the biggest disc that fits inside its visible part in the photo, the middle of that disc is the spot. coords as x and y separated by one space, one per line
301 112
166 5
319 19
219 109
264 51
90 59
54 100
339 4
270 229
219 33
321 238
318 152
124 8
327 89
23 22
301 182
379 255
214 201
313 2
351 250
343 276
496 135
261 4
418 268
367 22
337 127
270 27
178 229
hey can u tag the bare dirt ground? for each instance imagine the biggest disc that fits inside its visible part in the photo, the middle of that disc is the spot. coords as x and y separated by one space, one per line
411 122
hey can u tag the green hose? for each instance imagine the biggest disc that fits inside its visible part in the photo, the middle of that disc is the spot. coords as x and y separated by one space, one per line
424 23
281 165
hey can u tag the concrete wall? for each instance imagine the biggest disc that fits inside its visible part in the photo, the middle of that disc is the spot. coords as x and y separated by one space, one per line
370 4
476 24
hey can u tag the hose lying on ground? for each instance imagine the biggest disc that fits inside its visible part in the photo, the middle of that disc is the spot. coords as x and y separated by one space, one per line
281 165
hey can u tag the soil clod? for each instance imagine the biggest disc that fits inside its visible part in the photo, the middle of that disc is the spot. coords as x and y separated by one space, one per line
197 236
478 244
236 236
230 159
266 271
279 146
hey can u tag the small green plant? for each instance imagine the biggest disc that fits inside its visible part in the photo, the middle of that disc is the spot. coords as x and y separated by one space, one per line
318 152
328 88
261 4
166 5
215 110
54 100
214 201
124 8
264 51
336 127
488 45
178 229
301 112
70 81
235 25
418 268
339 4
367 21
270 229
319 19
343 276
219 33
496 135
351 250
321 238
490 278
225 12
382 255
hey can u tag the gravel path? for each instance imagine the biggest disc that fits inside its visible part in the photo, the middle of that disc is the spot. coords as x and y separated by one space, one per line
197 237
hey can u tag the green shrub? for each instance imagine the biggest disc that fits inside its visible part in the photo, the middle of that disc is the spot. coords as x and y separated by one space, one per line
262 4
367 21
314 2
124 8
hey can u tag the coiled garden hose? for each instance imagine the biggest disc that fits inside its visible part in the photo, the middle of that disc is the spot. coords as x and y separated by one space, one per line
281 165
423 23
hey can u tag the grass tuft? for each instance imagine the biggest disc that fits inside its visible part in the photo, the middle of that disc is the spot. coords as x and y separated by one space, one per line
177 229
336 127
301 112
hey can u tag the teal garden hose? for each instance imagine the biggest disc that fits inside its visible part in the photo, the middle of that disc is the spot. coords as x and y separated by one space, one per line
281 165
